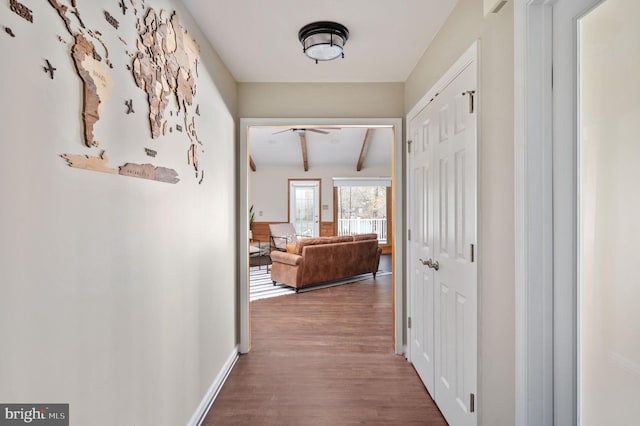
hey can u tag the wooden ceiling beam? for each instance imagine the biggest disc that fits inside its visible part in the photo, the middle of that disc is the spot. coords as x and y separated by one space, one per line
303 146
364 149
252 164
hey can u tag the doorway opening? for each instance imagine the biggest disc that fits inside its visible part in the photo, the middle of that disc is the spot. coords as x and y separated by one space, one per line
307 165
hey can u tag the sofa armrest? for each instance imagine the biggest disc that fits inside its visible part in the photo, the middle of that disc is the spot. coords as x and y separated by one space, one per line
286 258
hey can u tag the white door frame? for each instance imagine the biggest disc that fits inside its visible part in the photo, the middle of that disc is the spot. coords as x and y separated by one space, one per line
533 165
398 226
546 316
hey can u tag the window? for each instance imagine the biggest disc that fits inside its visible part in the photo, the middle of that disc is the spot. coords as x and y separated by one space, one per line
361 206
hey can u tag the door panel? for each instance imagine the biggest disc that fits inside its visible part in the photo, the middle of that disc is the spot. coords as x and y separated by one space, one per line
421 247
456 304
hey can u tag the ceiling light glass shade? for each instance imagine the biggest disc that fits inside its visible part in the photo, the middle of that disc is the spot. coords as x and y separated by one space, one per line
323 41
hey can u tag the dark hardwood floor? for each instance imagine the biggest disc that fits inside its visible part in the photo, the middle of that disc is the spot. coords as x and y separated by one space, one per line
324 357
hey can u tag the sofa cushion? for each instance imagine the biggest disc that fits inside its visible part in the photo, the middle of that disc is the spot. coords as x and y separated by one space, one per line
360 237
303 242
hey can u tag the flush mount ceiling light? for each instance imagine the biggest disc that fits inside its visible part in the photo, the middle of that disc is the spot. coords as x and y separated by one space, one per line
323 40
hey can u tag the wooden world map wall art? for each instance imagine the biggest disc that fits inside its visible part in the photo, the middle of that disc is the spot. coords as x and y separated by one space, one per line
21 10
163 65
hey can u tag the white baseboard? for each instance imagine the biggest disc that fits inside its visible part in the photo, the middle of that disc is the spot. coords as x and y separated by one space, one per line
214 389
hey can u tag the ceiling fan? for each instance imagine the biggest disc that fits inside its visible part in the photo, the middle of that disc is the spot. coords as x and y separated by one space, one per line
300 130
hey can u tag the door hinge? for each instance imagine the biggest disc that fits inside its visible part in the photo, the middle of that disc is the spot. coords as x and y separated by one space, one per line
473 253
409 142
409 234
471 94
409 322
472 403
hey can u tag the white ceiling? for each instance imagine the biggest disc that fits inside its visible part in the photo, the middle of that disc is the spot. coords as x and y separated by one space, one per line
258 39
341 147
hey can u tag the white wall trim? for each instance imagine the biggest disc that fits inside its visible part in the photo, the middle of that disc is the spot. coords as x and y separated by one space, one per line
467 57
534 253
214 390
398 225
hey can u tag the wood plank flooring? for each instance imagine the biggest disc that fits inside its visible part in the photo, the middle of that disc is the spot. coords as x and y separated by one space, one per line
324 358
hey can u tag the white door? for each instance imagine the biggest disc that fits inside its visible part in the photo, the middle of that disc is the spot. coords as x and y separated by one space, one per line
304 207
421 222
442 209
455 239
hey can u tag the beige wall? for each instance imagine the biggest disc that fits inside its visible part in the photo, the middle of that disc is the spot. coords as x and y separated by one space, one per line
117 295
496 323
319 100
269 190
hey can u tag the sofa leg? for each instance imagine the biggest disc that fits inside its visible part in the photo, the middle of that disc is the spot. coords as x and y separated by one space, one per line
374 275
297 290
274 283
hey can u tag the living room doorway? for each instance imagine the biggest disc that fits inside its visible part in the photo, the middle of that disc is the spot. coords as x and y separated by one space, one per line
309 152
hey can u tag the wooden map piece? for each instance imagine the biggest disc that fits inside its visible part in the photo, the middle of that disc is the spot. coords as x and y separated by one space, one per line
21 10
123 7
150 152
201 177
97 85
165 126
8 31
166 175
77 14
192 157
150 172
129 105
111 20
178 127
198 109
96 164
50 69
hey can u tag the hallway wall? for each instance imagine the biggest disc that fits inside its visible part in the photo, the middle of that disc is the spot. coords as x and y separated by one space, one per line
320 100
117 295
496 263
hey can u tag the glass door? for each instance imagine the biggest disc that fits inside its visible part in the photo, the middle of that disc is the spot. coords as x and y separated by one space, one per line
304 207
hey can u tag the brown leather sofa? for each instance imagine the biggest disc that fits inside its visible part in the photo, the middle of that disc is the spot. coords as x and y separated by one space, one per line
318 260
